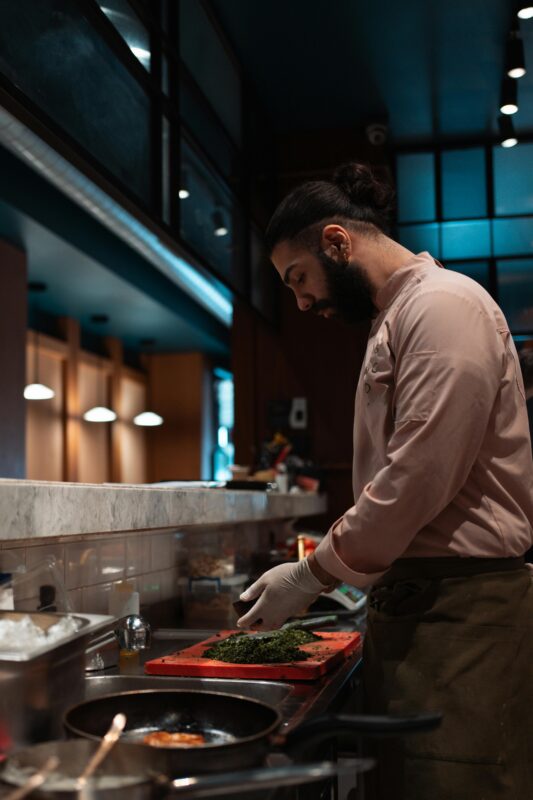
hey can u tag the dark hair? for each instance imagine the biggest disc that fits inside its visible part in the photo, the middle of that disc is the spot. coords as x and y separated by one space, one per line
354 195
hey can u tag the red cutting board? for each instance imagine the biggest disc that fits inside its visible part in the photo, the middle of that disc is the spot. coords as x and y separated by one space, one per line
326 652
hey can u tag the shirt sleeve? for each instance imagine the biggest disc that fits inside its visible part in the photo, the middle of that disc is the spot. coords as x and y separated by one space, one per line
449 364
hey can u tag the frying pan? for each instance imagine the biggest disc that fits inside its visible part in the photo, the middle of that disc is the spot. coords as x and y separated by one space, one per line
239 731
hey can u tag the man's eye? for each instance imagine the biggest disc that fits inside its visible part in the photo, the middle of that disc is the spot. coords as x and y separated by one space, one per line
300 279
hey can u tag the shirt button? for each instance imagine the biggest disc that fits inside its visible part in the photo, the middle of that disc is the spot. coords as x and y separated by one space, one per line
367 387
374 367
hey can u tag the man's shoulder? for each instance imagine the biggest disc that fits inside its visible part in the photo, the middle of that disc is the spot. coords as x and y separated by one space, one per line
453 290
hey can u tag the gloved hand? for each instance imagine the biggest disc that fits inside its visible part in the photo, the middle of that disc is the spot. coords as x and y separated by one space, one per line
283 592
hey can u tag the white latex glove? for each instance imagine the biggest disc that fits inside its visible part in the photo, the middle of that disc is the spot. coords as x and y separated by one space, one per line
283 592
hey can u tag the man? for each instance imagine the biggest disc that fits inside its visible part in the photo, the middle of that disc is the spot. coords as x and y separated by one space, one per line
442 481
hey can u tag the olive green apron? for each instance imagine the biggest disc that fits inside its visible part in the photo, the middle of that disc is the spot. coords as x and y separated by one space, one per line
453 635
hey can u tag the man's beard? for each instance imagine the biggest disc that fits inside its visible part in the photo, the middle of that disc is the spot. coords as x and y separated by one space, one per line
349 291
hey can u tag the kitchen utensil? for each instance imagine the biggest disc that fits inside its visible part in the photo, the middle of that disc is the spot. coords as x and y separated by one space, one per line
35 780
239 732
36 688
128 775
326 651
254 780
109 739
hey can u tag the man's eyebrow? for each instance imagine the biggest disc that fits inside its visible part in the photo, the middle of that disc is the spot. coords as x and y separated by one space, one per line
287 276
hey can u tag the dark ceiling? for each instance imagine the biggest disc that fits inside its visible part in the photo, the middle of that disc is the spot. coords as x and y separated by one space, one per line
431 67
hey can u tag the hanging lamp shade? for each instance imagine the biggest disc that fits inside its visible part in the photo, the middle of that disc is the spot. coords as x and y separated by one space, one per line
148 419
100 413
37 390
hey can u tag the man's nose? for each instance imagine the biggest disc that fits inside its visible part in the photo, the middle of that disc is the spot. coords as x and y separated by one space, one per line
304 303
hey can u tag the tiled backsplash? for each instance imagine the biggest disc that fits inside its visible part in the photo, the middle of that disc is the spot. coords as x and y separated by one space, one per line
152 561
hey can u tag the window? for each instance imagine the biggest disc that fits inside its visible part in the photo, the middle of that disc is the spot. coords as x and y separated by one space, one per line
477 270
130 27
513 236
515 292
513 179
210 219
75 78
464 186
224 453
465 239
209 63
421 237
416 187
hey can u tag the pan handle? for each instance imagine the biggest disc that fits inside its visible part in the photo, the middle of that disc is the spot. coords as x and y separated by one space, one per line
262 778
328 726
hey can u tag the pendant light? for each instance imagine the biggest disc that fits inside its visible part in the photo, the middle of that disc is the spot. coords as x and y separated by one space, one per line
100 413
509 96
219 225
184 191
148 419
515 64
525 11
507 132
37 390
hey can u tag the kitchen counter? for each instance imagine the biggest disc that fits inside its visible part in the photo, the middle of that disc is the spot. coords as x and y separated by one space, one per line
40 509
295 700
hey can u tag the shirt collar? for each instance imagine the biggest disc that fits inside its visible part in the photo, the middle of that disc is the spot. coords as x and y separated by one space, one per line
398 279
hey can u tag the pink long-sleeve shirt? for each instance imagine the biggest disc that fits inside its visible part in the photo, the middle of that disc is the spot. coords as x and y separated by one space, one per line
442 454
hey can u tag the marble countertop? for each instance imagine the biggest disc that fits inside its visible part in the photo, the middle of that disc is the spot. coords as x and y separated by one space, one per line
40 509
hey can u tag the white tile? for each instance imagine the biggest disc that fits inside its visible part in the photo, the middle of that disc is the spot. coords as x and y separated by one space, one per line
161 549
74 597
95 599
134 549
81 564
112 559
41 553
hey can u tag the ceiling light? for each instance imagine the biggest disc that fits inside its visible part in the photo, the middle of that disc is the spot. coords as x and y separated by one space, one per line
507 133
508 98
219 225
38 391
515 65
525 11
184 192
99 414
148 419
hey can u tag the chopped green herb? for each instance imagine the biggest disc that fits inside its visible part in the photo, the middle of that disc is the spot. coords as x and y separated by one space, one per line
279 647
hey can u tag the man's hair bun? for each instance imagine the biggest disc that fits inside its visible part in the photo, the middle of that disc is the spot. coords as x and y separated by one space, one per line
363 187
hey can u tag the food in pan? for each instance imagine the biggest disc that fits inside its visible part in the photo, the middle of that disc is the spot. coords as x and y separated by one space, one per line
279 647
174 739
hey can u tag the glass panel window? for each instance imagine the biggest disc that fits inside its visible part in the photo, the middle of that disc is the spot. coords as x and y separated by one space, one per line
513 237
515 293
71 73
465 239
464 187
206 129
211 220
416 187
130 27
513 179
224 453
477 270
421 237
209 63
